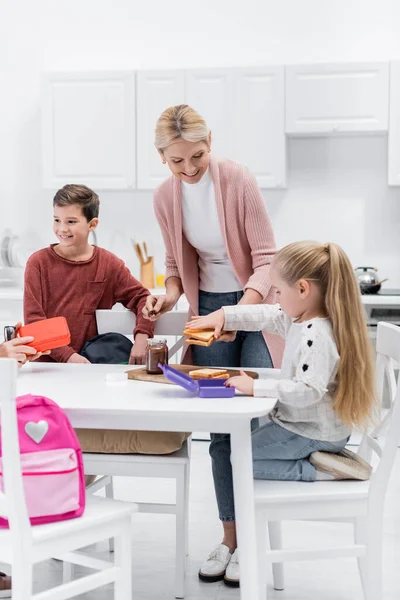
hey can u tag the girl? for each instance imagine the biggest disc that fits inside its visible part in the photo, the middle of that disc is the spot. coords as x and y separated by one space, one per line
326 385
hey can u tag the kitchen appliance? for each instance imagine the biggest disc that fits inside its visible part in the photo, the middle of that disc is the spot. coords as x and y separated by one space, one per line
368 280
14 253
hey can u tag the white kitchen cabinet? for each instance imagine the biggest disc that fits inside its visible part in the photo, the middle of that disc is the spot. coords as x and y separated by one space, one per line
156 91
259 124
210 92
88 129
337 98
394 125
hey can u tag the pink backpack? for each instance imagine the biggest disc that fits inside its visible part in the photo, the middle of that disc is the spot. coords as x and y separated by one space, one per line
51 462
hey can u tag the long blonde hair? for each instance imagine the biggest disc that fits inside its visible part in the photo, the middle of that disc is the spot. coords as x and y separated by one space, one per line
329 266
180 122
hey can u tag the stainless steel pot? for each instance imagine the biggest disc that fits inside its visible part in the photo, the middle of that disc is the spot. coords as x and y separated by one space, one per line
368 280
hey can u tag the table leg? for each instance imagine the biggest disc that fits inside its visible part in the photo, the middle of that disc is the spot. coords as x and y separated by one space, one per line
243 485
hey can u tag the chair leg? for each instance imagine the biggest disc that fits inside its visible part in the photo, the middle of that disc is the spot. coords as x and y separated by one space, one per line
275 542
373 565
109 491
123 560
22 578
261 554
186 484
180 535
68 572
360 537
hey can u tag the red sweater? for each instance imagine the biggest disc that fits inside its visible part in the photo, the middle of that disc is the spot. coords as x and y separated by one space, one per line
55 286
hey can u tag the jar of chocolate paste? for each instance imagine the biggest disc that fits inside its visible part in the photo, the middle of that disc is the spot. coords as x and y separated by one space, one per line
156 352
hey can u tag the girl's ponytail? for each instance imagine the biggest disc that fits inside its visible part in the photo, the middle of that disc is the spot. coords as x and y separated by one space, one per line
354 397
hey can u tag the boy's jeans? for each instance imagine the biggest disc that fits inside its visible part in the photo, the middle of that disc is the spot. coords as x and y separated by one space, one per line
277 454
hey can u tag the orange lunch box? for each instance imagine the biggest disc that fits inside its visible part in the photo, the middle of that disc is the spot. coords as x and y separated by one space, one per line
48 333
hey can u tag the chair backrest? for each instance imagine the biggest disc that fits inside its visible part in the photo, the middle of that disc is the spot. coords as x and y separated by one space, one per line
12 499
124 321
384 438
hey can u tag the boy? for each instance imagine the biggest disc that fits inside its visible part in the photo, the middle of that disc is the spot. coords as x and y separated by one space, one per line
73 279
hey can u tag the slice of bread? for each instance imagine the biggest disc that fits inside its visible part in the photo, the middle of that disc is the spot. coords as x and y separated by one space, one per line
194 342
200 337
209 374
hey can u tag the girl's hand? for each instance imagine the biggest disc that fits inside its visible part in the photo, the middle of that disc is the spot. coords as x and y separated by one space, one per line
158 305
243 383
214 320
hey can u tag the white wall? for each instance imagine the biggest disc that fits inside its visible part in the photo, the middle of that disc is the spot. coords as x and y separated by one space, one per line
337 188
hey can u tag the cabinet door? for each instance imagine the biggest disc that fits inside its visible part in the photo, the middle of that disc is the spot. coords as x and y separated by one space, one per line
394 125
156 91
259 115
88 127
210 92
322 99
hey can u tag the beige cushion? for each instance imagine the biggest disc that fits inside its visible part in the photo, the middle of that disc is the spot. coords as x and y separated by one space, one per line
114 441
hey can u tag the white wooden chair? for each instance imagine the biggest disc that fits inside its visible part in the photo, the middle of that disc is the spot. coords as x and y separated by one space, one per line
357 502
170 466
22 546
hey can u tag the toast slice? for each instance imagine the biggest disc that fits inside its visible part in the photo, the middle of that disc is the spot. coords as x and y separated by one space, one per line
199 337
209 374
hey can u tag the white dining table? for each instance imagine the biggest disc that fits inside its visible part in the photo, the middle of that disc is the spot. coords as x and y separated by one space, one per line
92 401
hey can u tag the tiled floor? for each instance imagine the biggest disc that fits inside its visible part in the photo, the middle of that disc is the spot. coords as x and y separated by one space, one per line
153 547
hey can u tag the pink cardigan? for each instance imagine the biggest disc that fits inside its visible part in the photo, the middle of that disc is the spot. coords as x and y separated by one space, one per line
245 227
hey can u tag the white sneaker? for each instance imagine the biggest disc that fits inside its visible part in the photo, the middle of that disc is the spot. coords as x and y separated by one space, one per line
341 465
232 571
215 566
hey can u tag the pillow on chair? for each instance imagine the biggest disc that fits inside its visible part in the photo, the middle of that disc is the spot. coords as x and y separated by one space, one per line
114 441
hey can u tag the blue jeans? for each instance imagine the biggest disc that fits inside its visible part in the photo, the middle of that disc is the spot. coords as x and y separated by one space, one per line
277 454
249 348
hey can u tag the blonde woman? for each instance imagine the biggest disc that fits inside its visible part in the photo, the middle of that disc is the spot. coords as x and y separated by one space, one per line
219 246
218 238
327 377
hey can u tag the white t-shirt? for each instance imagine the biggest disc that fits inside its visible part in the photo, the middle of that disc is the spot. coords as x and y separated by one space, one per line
202 229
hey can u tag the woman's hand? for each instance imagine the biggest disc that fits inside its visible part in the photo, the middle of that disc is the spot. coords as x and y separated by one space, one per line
158 305
214 320
78 359
243 383
138 352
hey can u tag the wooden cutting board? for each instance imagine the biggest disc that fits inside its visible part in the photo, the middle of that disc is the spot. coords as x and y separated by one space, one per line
142 375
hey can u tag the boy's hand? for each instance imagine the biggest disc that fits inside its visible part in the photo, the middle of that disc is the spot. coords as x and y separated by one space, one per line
214 320
138 352
77 358
243 383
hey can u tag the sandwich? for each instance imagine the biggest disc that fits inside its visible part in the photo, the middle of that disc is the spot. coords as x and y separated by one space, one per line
199 337
209 374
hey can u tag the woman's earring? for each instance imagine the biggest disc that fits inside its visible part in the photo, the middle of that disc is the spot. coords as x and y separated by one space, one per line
209 150
164 162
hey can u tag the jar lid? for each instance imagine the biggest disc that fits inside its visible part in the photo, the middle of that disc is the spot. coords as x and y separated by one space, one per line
156 341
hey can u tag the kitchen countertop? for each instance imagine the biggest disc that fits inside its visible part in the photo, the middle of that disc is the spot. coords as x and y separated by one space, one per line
384 299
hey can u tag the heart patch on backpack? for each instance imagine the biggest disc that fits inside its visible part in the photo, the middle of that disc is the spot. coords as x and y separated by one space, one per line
36 431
